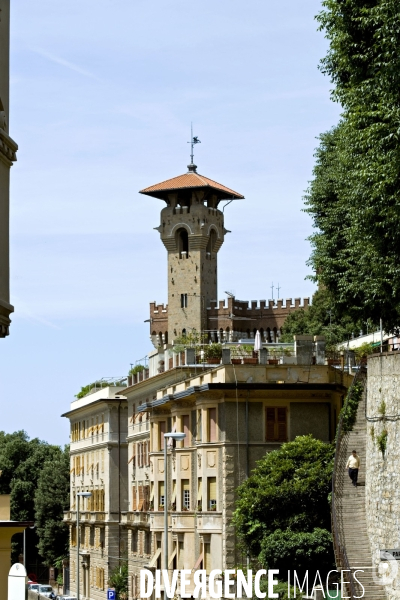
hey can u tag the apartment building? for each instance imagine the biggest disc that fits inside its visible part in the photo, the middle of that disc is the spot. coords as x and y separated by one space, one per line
99 454
233 409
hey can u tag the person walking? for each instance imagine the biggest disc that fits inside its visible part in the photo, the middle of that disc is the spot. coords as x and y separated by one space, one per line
353 464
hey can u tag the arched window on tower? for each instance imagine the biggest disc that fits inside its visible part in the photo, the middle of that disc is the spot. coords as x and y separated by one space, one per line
211 243
183 243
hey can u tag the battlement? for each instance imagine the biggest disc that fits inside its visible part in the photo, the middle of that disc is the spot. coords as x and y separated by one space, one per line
158 309
254 307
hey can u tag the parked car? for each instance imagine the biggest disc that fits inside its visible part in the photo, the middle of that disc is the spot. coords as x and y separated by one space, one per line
46 590
34 587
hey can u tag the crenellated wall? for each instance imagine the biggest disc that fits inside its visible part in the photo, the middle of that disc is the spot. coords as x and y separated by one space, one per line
232 319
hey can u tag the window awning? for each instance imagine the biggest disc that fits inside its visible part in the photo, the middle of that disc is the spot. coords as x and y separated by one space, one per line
154 559
171 558
152 493
199 490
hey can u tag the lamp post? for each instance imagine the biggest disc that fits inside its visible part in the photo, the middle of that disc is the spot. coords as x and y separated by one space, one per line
82 495
177 437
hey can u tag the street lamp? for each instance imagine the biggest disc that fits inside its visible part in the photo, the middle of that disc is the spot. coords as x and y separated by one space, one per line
178 437
83 495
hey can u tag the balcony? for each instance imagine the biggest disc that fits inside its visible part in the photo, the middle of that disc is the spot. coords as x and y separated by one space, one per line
136 519
138 428
85 516
209 522
94 440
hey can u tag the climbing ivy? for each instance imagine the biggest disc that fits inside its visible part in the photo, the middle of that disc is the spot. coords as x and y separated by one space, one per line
349 410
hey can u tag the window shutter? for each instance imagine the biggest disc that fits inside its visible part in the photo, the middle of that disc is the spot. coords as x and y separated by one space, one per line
270 426
199 489
141 497
212 488
134 499
212 424
282 433
146 495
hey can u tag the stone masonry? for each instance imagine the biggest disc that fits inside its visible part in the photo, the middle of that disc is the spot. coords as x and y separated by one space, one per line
383 465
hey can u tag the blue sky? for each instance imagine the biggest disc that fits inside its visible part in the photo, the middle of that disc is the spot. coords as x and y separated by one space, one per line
102 96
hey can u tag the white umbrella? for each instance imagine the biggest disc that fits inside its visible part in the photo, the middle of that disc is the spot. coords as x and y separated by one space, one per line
257 342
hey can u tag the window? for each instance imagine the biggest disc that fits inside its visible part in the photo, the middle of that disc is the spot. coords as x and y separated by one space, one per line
184 300
147 542
185 494
161 494
186 430
276 424
134 541
134 498
212 424
183 243
199 494
212 493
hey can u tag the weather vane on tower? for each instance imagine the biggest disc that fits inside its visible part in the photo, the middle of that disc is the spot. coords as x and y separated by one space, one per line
193 140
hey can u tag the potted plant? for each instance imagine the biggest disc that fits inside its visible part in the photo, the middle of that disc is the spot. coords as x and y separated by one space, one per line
236 358
213 353
273 353
248 355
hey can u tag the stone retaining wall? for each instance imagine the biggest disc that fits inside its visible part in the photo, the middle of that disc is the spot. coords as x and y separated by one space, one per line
383 467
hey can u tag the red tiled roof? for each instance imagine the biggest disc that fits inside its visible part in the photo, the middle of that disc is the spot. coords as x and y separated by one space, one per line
186 181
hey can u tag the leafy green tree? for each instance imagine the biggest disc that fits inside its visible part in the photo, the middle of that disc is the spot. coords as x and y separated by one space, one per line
354 198
119 580
51 499
284 505
320 318
22 461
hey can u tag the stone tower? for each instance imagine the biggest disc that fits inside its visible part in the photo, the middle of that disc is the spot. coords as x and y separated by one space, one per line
192 230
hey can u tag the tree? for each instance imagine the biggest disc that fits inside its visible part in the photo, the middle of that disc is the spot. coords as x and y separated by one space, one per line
119 580
51 499
354 198
22 462
320 318
282 514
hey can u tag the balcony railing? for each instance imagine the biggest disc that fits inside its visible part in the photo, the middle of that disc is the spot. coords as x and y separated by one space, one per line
85 516
137 428
99 438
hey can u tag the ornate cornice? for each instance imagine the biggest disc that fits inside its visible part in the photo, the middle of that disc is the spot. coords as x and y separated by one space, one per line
5 310
8 148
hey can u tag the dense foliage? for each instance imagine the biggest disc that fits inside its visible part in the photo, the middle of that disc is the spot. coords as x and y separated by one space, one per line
350 407
51 500
119 580
27 468
283 515
354 198
321 318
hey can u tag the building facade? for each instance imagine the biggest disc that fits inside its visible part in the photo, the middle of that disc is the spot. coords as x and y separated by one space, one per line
232 410
99 452
8 149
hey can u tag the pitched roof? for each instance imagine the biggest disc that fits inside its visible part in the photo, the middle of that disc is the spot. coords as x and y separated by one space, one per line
187 181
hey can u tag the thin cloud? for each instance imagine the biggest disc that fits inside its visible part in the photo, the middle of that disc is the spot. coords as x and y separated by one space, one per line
65 63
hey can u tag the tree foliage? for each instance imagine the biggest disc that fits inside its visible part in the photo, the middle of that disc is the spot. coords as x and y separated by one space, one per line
119 580
321 318
282 514
354 198
51 500
23 462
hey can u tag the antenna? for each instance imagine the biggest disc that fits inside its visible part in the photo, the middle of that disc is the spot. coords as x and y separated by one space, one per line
272 290
278 288
193 140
